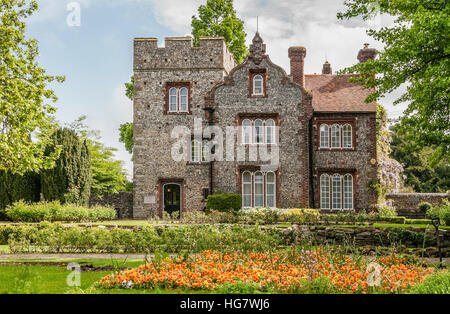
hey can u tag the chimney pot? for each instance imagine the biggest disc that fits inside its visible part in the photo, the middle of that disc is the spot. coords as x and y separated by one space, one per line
327 68
297 56
367 53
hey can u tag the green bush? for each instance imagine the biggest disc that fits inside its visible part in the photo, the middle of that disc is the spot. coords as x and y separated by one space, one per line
436 284
15 187
424 207
386 211
55 238
224 202
418 221
54 211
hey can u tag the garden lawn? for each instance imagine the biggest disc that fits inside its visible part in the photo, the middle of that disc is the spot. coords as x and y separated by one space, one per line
24 279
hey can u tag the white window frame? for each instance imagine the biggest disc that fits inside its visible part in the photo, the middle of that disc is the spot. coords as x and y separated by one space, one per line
184 98
270 128
256 133
206 152
254 188
173 89
258 78
244 183
348 194
196 146
347 139
247 130
336 134
324 136
325 194
336 192
274 195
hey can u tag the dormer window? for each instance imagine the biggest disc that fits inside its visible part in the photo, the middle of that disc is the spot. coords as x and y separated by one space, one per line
258 85
177 98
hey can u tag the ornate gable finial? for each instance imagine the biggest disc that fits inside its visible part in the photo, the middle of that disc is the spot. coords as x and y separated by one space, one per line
257 49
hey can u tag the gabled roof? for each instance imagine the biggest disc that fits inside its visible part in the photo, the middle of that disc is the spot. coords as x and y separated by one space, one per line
334 93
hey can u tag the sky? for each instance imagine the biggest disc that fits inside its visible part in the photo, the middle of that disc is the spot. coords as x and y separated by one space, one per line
96 57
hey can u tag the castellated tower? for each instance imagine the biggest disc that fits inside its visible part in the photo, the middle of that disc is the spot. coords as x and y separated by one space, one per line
170 86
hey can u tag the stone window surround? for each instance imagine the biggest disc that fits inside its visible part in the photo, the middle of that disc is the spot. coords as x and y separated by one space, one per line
330 173
251 75
253 169
258 116
178 85
164 181
341 123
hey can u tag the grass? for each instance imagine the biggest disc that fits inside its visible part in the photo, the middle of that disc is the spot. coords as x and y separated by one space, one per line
40 279
4 249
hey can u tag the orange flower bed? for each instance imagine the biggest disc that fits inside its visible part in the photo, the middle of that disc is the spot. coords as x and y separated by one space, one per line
286 271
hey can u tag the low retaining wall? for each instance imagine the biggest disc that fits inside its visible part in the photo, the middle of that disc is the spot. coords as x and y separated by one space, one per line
374 236
407 204
122 202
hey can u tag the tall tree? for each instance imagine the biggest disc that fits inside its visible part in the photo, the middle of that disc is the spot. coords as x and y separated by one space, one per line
24 110
70 180
108 175
423 172
218 18
416 52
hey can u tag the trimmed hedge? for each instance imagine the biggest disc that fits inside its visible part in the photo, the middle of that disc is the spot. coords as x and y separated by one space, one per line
54 211
224 202
55 238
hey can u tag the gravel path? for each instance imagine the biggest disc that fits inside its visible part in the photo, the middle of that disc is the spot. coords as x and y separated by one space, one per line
72 256
43 257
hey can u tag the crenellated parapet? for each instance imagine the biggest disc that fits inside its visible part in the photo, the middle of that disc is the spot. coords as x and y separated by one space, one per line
179 53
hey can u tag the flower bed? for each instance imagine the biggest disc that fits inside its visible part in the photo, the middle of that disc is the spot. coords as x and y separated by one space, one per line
292 271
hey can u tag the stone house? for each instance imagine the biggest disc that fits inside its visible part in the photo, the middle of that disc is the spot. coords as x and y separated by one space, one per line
203 123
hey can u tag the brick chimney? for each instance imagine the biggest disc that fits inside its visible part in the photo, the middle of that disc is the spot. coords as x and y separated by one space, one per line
297 56
367 53
327 68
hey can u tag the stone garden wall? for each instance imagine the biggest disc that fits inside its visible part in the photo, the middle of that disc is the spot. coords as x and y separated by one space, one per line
412 237
408 203
122 203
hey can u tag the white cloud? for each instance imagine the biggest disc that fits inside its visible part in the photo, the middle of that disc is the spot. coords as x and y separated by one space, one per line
285 23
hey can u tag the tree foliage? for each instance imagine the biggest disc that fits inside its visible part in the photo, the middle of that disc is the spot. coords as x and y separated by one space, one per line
23 94
70 180
390 171
16 187
416 52
126 136
218 18
424 173
108 175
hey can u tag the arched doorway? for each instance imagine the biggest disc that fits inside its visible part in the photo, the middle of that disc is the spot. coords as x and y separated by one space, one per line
172 198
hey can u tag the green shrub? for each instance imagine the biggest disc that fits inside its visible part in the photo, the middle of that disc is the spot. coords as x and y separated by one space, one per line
424 207
418 221
55 238
386 211
54 211
395 220
15 187
436 284
224 202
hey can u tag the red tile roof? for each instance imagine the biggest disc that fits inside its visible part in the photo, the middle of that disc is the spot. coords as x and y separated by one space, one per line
333 93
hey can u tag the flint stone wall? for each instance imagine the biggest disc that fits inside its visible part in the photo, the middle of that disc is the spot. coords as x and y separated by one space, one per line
122 202
408 203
